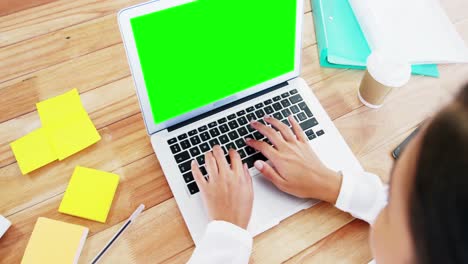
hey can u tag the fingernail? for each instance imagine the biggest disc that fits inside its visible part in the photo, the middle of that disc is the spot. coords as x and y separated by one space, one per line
258 165
194 162
248 139
267 117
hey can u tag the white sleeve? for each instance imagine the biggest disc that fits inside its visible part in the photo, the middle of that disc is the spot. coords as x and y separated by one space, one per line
363 195
223 242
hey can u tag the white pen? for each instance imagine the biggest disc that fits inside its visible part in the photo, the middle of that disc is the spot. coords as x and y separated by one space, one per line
131 219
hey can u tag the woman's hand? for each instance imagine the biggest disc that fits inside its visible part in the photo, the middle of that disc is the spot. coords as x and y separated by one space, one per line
228 193
296 169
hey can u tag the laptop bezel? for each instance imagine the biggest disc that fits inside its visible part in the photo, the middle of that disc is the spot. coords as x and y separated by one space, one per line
124 17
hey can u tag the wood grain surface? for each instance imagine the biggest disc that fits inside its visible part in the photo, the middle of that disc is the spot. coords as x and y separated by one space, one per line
48 47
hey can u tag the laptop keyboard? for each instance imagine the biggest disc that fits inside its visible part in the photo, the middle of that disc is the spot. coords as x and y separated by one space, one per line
232 130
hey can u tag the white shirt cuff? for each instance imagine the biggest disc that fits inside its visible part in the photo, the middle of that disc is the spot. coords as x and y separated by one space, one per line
230 231
362 194
223 242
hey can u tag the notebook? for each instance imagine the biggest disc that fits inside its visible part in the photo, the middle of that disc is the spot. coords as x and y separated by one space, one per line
4 225
54 242
422 32
89 194
340 40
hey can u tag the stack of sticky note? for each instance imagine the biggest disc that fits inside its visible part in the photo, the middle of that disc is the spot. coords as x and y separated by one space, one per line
33 151
89 194
66 129
55 242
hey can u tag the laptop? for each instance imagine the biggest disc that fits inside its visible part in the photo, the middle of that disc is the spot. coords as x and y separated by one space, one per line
202 70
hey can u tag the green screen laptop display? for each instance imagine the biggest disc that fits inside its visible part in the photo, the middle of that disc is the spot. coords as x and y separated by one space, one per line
200 52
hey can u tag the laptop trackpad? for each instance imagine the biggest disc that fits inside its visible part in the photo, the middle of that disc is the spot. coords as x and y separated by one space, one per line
271 205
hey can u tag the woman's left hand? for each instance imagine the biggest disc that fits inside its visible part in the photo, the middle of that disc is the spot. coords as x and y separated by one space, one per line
228 193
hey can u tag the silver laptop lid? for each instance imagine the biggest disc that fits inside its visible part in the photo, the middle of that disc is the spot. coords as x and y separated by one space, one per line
190 57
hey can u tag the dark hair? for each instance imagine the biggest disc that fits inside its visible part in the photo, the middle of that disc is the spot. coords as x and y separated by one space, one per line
438 209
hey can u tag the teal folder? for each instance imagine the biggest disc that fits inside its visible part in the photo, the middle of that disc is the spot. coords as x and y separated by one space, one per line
340 40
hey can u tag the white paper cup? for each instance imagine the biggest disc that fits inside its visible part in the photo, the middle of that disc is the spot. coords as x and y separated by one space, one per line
383 74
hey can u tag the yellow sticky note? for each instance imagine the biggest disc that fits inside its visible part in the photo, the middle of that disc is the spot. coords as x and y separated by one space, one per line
33 151
89 194
55 242
61 110
67 124
72 138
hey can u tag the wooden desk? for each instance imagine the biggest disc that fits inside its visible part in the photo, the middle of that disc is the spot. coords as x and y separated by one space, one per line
48 47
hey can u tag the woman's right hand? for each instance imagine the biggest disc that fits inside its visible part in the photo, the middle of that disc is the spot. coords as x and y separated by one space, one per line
296 169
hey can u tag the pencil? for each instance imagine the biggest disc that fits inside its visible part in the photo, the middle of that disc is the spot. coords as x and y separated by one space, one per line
131 219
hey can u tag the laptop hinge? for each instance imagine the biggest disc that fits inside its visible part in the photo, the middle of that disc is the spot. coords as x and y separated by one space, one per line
224 107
